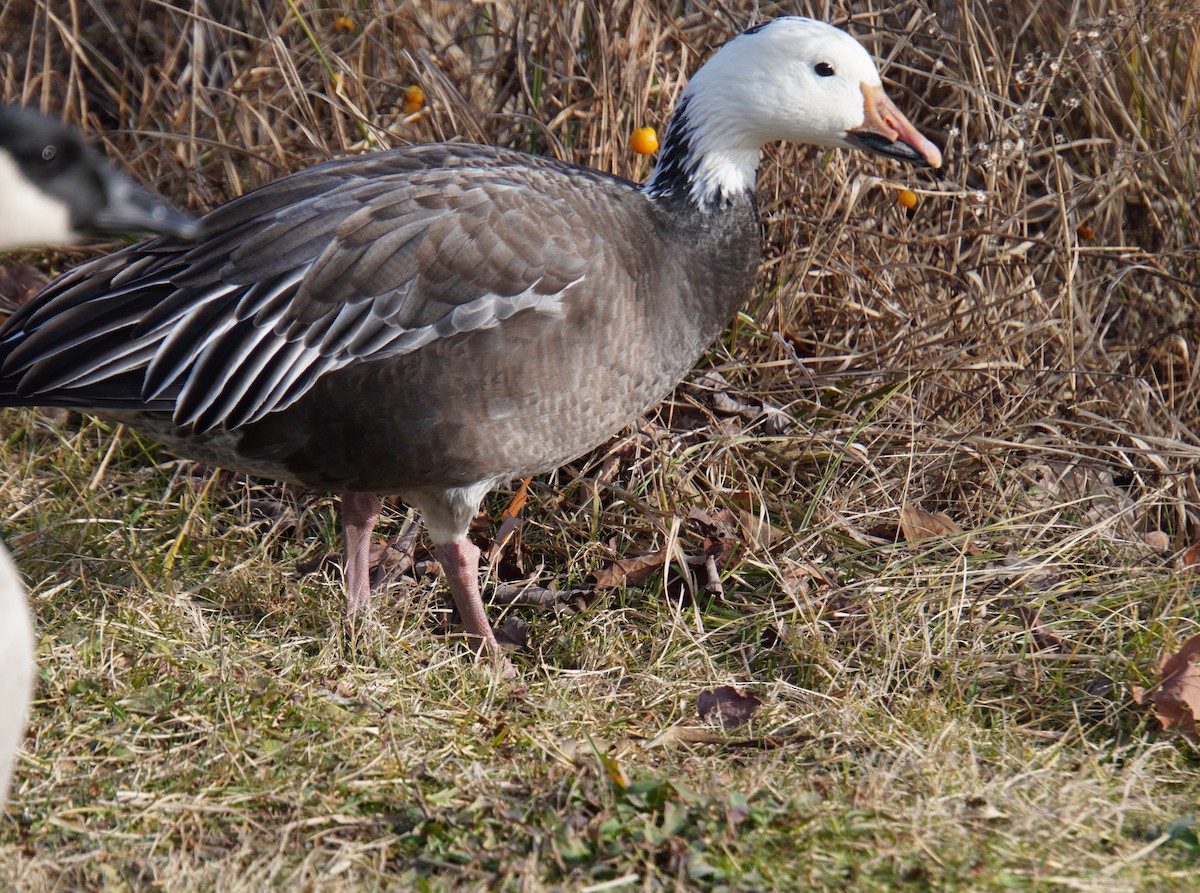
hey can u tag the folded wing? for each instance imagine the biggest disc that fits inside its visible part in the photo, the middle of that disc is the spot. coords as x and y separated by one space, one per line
347 262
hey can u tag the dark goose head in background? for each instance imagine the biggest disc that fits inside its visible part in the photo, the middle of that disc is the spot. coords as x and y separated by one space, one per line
54 190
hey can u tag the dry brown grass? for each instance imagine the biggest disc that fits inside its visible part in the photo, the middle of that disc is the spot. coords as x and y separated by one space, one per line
1019 352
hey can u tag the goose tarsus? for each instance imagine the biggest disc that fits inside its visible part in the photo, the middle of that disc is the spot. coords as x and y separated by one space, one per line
460 566
360 511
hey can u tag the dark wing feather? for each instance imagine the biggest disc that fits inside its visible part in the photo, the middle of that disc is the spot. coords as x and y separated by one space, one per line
346 262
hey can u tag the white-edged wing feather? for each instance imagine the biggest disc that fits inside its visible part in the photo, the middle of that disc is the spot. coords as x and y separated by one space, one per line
347 262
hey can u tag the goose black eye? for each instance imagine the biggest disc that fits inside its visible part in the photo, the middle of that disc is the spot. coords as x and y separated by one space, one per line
824 69
48 160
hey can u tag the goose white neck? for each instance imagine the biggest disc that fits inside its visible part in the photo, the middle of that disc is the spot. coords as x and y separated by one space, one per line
29 217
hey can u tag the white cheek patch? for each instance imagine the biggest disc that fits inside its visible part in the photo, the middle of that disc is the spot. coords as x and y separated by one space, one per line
29 218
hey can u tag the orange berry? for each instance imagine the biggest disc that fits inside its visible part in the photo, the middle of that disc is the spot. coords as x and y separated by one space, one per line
907 198
414 100
644 141
344 25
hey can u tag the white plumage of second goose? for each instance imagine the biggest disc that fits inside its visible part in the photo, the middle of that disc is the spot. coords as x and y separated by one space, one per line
434 320
16 666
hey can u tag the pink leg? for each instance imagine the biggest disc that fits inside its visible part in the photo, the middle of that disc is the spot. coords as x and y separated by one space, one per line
460 564
360 511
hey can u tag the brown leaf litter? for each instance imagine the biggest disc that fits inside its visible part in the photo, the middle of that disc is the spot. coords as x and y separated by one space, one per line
918 524
1176 698
727 706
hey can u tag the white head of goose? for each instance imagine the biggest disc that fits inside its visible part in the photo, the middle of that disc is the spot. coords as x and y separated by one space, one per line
433 320
54 190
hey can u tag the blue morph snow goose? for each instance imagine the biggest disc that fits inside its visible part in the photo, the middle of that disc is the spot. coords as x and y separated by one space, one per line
431 321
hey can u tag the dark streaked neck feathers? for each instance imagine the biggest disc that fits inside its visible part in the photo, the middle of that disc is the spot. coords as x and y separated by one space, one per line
689 168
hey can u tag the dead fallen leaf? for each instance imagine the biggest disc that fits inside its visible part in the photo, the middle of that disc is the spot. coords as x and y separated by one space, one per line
506 548
518 501
1190 560
271 512
681 734
979 808
719 393
732 708
918 524
754 521
394 558
772 419
717 529
1176 698
1043 636
686 735
718 546
513 633
758 530
1157 541
712 577
802 578
614 770
379 552
18 284
1018 570
389 560
629 571
572 601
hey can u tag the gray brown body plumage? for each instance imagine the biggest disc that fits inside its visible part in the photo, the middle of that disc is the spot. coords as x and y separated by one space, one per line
613 296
